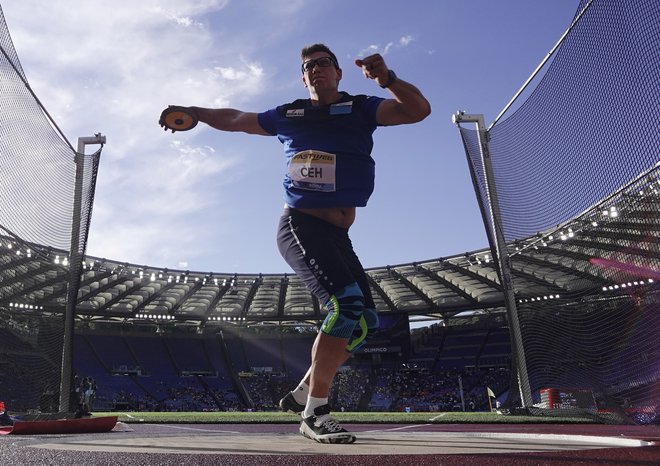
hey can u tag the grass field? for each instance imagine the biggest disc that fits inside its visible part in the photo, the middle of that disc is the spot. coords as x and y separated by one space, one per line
358 418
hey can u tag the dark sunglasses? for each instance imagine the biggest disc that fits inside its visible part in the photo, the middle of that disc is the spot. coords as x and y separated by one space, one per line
323 62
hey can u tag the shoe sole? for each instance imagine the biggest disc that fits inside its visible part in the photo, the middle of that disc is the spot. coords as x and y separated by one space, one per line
344 437
288 410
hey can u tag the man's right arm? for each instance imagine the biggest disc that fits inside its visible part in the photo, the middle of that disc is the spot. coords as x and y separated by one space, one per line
229 119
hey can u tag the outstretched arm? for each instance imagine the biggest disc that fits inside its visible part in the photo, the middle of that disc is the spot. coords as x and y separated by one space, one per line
408 105
227 119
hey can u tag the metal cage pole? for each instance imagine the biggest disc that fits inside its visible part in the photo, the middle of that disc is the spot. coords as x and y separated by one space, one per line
75 270
502 253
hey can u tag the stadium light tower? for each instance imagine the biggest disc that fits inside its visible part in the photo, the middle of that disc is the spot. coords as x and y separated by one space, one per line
498 242
75 269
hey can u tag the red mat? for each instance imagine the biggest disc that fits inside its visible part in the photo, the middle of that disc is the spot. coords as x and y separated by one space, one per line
61 426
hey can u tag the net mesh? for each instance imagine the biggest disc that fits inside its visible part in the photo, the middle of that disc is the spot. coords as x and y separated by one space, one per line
41 224
576 171
590 125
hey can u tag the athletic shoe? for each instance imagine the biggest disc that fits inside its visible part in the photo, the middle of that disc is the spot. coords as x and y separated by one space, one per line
288 404
324 429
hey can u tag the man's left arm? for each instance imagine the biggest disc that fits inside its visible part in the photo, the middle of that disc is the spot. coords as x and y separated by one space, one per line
408 104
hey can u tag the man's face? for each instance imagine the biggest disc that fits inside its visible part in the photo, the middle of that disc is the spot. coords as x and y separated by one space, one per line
320 71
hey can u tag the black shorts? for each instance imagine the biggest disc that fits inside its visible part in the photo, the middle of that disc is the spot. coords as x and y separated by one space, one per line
321 254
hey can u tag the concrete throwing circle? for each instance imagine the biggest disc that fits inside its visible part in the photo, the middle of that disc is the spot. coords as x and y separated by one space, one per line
372 442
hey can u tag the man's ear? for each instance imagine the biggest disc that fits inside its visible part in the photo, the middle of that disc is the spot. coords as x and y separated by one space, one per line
338 75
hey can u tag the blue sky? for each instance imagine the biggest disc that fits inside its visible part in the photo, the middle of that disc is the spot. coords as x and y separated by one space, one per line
209 201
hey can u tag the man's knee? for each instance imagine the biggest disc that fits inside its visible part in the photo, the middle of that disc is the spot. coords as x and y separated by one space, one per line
371 318
367 325
345 309
349 318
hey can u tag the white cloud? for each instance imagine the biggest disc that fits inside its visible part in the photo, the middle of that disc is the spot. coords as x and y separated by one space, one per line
102 67
403 41
369 50
406 40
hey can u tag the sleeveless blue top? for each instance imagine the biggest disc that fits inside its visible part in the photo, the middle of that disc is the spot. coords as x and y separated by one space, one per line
328 150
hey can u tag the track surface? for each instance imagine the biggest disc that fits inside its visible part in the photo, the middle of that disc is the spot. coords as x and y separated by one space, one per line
381 444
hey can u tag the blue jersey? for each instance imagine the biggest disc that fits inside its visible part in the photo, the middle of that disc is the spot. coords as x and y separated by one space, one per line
328 150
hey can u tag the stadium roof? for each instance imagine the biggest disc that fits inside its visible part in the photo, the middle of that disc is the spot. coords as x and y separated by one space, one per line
620 234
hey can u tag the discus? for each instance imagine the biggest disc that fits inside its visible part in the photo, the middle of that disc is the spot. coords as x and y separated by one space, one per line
178 118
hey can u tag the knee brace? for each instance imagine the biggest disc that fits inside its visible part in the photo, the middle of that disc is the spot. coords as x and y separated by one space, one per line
348 318
367 325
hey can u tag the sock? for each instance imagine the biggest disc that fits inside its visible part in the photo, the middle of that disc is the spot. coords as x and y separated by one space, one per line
301 392
312 404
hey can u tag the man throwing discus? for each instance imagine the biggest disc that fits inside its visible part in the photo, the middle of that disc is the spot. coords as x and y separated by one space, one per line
327 142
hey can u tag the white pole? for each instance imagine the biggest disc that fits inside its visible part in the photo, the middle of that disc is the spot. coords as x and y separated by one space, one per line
460 390
75 268
502 254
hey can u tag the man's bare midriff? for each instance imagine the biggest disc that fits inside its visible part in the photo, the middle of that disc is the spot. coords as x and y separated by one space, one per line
342 217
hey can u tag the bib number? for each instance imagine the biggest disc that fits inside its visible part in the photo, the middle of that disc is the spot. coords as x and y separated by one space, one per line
313 170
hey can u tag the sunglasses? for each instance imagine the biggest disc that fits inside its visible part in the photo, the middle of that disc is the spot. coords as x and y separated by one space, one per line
323 62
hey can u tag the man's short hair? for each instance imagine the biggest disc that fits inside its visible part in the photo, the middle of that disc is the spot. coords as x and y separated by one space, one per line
310 49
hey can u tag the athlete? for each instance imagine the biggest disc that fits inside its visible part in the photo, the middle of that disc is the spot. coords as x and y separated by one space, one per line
327 141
